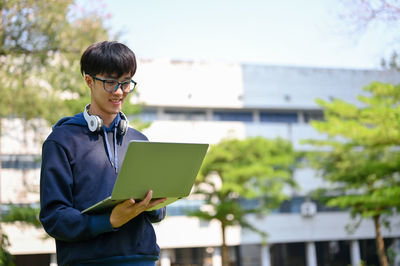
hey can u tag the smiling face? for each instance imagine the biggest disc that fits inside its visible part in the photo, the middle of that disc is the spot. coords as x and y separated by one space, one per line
106 104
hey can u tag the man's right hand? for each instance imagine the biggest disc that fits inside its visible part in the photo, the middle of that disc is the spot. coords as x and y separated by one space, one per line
129 209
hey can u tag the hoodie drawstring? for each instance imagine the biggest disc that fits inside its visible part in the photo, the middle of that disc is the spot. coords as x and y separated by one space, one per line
113 159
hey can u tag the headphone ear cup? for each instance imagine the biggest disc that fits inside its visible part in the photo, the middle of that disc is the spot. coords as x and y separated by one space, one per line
123 127
95 123
99 123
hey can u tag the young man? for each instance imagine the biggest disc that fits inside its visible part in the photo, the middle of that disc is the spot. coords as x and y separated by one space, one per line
80 162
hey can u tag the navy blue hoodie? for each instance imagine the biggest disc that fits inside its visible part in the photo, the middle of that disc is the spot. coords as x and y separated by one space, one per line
77 173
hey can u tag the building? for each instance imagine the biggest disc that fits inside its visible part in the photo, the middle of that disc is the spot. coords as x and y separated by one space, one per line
205 102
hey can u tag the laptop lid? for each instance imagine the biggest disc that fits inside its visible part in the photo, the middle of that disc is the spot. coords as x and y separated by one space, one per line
168 169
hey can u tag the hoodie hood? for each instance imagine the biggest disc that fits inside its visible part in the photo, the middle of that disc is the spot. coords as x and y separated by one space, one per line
77 119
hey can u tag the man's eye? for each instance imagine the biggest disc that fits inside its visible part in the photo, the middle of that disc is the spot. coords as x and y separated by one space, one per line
111 82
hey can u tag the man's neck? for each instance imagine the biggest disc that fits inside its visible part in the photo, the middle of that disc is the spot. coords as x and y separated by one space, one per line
107 118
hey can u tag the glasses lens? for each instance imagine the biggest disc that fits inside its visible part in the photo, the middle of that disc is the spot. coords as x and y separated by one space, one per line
128 86
109 85
113 85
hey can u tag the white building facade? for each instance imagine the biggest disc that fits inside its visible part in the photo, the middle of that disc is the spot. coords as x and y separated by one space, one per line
205 102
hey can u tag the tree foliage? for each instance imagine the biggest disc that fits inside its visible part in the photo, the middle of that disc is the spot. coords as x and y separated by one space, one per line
361 155
6 259
391 63
26 214
357 17
40 47
236 170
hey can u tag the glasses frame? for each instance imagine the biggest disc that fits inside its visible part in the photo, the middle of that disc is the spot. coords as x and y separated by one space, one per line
119 84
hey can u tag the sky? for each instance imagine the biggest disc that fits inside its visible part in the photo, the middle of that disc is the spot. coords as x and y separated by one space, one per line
285 32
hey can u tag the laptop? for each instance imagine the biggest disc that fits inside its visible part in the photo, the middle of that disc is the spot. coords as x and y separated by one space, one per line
168 169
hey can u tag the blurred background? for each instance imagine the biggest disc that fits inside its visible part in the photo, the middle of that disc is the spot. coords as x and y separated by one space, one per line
298 99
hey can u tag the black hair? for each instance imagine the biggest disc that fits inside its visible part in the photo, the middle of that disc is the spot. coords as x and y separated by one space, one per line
108 58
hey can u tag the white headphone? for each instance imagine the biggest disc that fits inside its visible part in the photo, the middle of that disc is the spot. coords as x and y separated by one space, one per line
95 123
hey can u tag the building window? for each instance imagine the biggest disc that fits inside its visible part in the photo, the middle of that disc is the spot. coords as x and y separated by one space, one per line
275 117
189 256
20 161
184 115
333 253
317 115
184 206
233 116
148 115
250 254
32 259
288 254
293 205
368 250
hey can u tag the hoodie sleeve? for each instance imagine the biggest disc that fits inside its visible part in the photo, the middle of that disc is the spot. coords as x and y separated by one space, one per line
57 214
156 215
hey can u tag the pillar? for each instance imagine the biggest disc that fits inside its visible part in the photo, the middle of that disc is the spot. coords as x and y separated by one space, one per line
311 254
216 257
165 259
53 259
355 253
265 256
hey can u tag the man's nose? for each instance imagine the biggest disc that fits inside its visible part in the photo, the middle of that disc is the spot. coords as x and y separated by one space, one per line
119 89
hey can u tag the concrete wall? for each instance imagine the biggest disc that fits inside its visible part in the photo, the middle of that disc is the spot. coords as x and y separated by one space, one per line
297 87
223 85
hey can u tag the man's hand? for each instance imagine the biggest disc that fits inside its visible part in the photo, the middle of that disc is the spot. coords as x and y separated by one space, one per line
129 209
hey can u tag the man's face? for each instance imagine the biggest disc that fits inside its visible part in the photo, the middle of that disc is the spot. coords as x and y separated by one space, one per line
107 103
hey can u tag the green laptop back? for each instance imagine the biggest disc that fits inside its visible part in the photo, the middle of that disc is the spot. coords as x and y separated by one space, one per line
168 169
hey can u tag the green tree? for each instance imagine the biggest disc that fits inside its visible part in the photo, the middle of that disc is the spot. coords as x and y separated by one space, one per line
40 47
391 63
235 170
361 156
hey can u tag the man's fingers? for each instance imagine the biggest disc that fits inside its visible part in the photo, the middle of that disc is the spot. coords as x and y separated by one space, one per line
148 197
147 202
129 202
156 202
144 202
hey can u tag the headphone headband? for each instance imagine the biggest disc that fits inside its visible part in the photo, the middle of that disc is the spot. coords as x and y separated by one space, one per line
95 123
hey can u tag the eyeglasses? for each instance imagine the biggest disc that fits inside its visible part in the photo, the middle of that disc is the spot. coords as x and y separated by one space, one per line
112 85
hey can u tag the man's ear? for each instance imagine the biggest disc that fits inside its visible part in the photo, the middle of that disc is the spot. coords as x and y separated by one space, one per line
89 81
